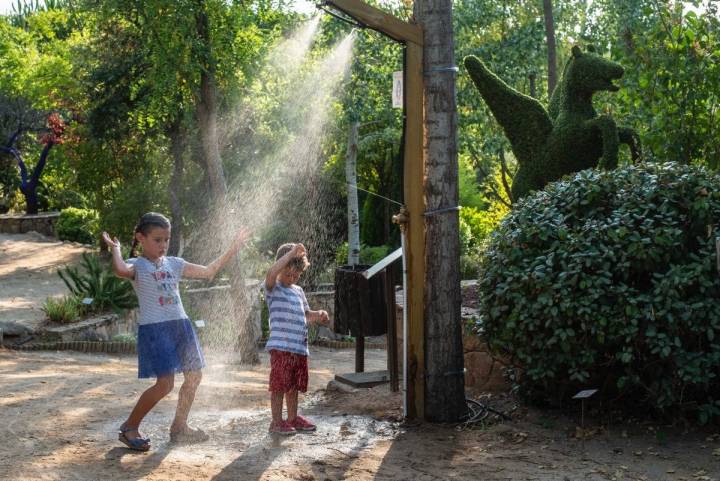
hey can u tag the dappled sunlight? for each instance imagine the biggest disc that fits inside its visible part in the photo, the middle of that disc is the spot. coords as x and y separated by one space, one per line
73 413
11 399
17 303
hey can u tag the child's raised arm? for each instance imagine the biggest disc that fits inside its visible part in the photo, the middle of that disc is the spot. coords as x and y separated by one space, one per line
279 265
209 271
119 266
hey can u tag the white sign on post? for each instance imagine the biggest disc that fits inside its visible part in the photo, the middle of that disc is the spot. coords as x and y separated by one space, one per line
397 93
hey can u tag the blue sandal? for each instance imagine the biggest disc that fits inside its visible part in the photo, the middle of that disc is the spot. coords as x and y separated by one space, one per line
137 444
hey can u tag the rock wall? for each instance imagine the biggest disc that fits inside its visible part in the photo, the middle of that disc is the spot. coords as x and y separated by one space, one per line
484 372
100 328
20 224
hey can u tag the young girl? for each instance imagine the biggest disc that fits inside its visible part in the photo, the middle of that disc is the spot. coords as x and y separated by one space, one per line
166 342
288 344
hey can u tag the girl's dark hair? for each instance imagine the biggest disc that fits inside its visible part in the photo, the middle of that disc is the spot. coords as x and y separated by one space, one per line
297 263
145 224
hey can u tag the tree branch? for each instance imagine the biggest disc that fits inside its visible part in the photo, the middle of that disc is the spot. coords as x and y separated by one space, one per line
495 193
504 174
41 164
21 164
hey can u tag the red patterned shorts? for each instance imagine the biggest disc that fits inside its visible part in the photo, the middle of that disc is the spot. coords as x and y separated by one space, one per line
288 371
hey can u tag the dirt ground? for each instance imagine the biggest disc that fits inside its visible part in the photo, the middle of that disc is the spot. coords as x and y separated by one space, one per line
60 412
28 275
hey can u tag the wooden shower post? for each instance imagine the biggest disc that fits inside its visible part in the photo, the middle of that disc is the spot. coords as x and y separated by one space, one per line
411 35
413 182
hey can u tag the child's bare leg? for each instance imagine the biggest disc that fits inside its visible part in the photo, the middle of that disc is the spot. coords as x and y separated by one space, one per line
186 396
147 401
291 398
276 403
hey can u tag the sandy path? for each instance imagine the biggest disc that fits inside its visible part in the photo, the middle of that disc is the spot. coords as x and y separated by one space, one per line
28 275
60 412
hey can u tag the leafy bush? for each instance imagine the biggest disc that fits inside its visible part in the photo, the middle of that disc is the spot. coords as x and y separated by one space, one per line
78 225
475 228
98 284
124 338
64 310
476 225
470 265
609 280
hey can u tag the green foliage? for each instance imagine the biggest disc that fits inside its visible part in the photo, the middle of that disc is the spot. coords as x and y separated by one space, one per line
609 280
368 254
670 93
479 216
23 10
475 228
64 310
476 225
124 338
78 225
469 189
97 283
9 184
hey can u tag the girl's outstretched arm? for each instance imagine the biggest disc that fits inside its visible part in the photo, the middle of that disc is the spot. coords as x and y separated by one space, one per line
208 272
119 267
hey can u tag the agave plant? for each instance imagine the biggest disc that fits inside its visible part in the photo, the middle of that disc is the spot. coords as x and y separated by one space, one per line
98 286
22 9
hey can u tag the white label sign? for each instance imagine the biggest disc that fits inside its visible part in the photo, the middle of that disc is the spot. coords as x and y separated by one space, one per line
397 93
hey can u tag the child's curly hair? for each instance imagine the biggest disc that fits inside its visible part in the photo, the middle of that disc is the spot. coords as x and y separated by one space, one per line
298 263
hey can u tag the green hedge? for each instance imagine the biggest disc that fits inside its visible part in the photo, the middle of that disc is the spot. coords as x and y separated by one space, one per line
609 280
78 225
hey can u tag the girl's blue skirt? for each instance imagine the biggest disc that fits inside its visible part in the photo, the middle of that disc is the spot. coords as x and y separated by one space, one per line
168 347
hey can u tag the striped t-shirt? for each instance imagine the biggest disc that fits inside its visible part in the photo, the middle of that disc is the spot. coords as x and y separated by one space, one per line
156 287
288 329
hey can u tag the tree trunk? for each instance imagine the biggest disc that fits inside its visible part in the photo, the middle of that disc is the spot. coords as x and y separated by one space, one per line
31 201
445 384
207 109
176 135
241 298
29 186
244 302
352 200
531 78
551 50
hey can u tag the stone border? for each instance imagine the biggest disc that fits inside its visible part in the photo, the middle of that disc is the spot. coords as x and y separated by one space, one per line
115 347
347 344
125 347
20 224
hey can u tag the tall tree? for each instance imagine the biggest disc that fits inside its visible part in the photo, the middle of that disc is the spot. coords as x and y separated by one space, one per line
444 384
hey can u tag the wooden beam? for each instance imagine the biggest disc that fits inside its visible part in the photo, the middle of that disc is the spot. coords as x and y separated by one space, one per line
378 20
414 173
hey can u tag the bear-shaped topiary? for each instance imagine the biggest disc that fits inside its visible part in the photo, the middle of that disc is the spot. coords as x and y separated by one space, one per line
568 137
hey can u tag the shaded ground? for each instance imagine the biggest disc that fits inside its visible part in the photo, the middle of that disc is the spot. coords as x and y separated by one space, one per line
28 273
60 412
